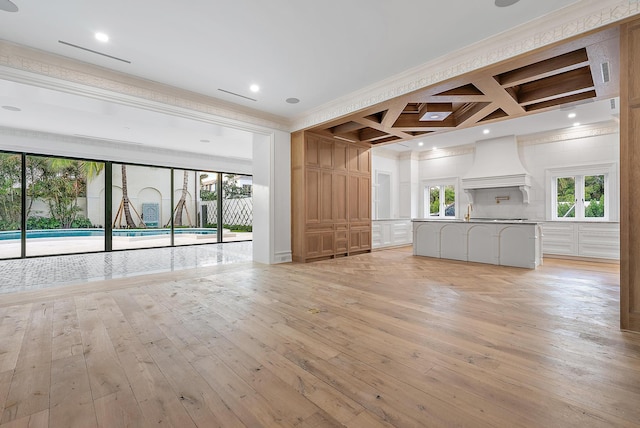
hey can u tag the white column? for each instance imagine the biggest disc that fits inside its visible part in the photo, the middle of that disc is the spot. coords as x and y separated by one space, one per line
272 197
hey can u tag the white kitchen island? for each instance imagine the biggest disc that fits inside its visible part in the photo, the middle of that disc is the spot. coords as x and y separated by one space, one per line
499 242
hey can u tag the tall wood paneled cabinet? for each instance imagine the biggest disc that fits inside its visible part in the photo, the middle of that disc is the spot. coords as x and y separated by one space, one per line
331 197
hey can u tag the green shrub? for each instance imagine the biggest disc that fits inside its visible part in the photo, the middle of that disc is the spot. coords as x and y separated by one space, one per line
81 223
42 223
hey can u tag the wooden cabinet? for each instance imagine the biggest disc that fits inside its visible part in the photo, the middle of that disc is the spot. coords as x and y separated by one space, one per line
331 197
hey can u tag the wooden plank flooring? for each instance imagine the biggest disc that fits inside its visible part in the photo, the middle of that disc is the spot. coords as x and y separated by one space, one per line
376 340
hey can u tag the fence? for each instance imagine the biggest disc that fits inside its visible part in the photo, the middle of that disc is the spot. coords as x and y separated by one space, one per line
234 211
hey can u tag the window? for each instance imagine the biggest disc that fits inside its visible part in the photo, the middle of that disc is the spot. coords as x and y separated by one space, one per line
581 194
440 200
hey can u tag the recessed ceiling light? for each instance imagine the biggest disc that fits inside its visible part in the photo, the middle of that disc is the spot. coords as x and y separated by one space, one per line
8 6
102 37
435 148
505 3
576 124
420 143
435 116
292 100
254 88
205 141
571 115
486 131
12 108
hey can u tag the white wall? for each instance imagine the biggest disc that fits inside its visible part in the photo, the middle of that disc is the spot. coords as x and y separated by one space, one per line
537 153
385 161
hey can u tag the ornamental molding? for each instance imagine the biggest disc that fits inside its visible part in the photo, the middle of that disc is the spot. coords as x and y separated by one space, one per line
571 21
52 138
447 152
586 131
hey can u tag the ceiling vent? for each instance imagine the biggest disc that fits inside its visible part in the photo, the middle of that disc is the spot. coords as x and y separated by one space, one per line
605 72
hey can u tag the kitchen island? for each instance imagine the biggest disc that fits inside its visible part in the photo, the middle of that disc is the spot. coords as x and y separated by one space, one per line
495 241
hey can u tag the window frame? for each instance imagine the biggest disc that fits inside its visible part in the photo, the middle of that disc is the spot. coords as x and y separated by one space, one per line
426 198
609 171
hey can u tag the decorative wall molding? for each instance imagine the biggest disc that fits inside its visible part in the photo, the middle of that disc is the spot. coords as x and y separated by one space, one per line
586 131
576 19
447 152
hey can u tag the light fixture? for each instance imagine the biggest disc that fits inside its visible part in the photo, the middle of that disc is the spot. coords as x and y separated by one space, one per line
576 124
420 143
292 100
571 115
205 141
254 88
434 148
8 6
102 37
505 3
12 108
434 116
486 131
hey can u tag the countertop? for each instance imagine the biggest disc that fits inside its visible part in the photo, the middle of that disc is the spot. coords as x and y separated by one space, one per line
477 220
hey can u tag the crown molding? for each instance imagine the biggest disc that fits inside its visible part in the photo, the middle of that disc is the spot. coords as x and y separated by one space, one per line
22 64
571 21
585 131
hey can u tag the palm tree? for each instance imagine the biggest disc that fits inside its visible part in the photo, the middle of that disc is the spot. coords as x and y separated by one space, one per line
125 199
181 205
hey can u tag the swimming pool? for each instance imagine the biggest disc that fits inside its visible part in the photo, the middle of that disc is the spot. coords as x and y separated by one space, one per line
72 233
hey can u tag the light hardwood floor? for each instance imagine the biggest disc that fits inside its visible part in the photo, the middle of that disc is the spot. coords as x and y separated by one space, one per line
375 340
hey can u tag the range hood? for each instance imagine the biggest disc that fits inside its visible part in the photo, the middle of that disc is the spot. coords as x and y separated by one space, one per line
497 165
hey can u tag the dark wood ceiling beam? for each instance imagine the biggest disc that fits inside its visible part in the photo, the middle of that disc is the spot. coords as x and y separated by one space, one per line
540 70
380 127
413 121
395 109
569 83
346 128
579 94
499 96
422 129
435 108
367 134
450 99
474 114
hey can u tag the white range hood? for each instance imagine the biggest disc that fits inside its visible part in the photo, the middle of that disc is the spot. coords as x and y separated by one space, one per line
497 165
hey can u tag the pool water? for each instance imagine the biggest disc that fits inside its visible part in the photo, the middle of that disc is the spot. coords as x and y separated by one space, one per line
70 233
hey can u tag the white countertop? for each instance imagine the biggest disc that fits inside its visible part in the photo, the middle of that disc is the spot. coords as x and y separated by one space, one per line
496 221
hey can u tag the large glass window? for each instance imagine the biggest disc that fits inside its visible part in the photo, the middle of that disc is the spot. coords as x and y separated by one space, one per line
61 217
237 207
440 200
10 204
141 207
580 197
62 202
208 190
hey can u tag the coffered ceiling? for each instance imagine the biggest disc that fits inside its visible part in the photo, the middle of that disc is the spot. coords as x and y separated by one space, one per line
581 71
